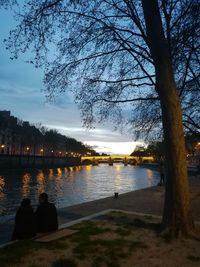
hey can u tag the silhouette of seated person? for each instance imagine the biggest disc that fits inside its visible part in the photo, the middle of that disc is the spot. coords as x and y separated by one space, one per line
25 226
46 215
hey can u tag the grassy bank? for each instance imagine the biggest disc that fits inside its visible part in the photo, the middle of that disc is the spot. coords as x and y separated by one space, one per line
116 239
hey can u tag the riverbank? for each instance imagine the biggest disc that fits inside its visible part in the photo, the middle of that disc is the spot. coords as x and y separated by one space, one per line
147 201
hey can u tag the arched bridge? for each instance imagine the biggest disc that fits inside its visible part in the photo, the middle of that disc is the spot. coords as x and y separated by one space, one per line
133 160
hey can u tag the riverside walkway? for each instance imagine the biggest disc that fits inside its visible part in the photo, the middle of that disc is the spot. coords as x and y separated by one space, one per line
149 201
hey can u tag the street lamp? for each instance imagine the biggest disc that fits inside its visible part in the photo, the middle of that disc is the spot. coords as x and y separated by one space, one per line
2 148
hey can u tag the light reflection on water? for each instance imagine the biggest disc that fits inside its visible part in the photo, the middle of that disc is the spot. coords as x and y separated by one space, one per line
71 185
26 185
2 184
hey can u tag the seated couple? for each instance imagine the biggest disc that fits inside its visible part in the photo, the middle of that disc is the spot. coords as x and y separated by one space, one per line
28 222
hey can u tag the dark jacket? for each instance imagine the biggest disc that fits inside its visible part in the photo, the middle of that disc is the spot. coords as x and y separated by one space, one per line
25 226
46 218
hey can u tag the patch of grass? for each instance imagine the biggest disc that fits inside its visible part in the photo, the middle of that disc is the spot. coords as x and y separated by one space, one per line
146 225
132 224
83 248
55 245
97 261
88 229
193 258
113 249
64 263
107 258
134 244
122 232
110 251
104 260
119 217
112 243
13 253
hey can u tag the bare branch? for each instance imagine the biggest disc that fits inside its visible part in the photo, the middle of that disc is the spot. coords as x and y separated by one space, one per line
130 100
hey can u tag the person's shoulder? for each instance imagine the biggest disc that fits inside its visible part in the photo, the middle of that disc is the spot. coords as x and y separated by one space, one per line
52 206
40 207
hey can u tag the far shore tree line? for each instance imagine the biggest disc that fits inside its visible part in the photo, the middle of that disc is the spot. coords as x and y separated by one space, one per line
156 148
21 137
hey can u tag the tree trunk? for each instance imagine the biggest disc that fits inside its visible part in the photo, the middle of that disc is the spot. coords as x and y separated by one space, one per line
177 215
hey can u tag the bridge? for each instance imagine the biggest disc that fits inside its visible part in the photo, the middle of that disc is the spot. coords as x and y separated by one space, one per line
133 160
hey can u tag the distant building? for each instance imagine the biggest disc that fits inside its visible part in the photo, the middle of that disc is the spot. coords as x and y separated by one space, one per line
139 148
9 141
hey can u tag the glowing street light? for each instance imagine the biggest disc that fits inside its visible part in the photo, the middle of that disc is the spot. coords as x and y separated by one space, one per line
42 151
2 148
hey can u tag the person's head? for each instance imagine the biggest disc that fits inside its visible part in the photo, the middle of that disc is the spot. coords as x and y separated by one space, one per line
43 198
25 202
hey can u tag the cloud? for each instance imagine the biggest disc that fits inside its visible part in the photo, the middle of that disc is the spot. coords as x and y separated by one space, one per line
114 148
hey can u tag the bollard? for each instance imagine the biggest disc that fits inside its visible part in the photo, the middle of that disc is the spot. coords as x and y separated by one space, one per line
116 194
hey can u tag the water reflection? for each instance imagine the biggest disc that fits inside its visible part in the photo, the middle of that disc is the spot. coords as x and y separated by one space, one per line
40 182
65 170
50 174
59 172
150 175
71 185
118 167
119 177
26 185
2 185
118 181
88 168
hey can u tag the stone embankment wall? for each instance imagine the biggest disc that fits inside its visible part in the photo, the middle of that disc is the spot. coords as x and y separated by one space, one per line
19 161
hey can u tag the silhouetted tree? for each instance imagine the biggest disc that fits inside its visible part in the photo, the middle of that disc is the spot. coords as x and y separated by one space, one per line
156 149
144 54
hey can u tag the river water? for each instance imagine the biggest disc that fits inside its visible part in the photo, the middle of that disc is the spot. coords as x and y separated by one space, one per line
70 186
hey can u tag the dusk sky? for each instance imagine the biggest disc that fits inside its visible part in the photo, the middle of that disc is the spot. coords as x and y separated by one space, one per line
21 93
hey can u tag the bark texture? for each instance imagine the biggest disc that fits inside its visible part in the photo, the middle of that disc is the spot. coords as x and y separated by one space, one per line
177 215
